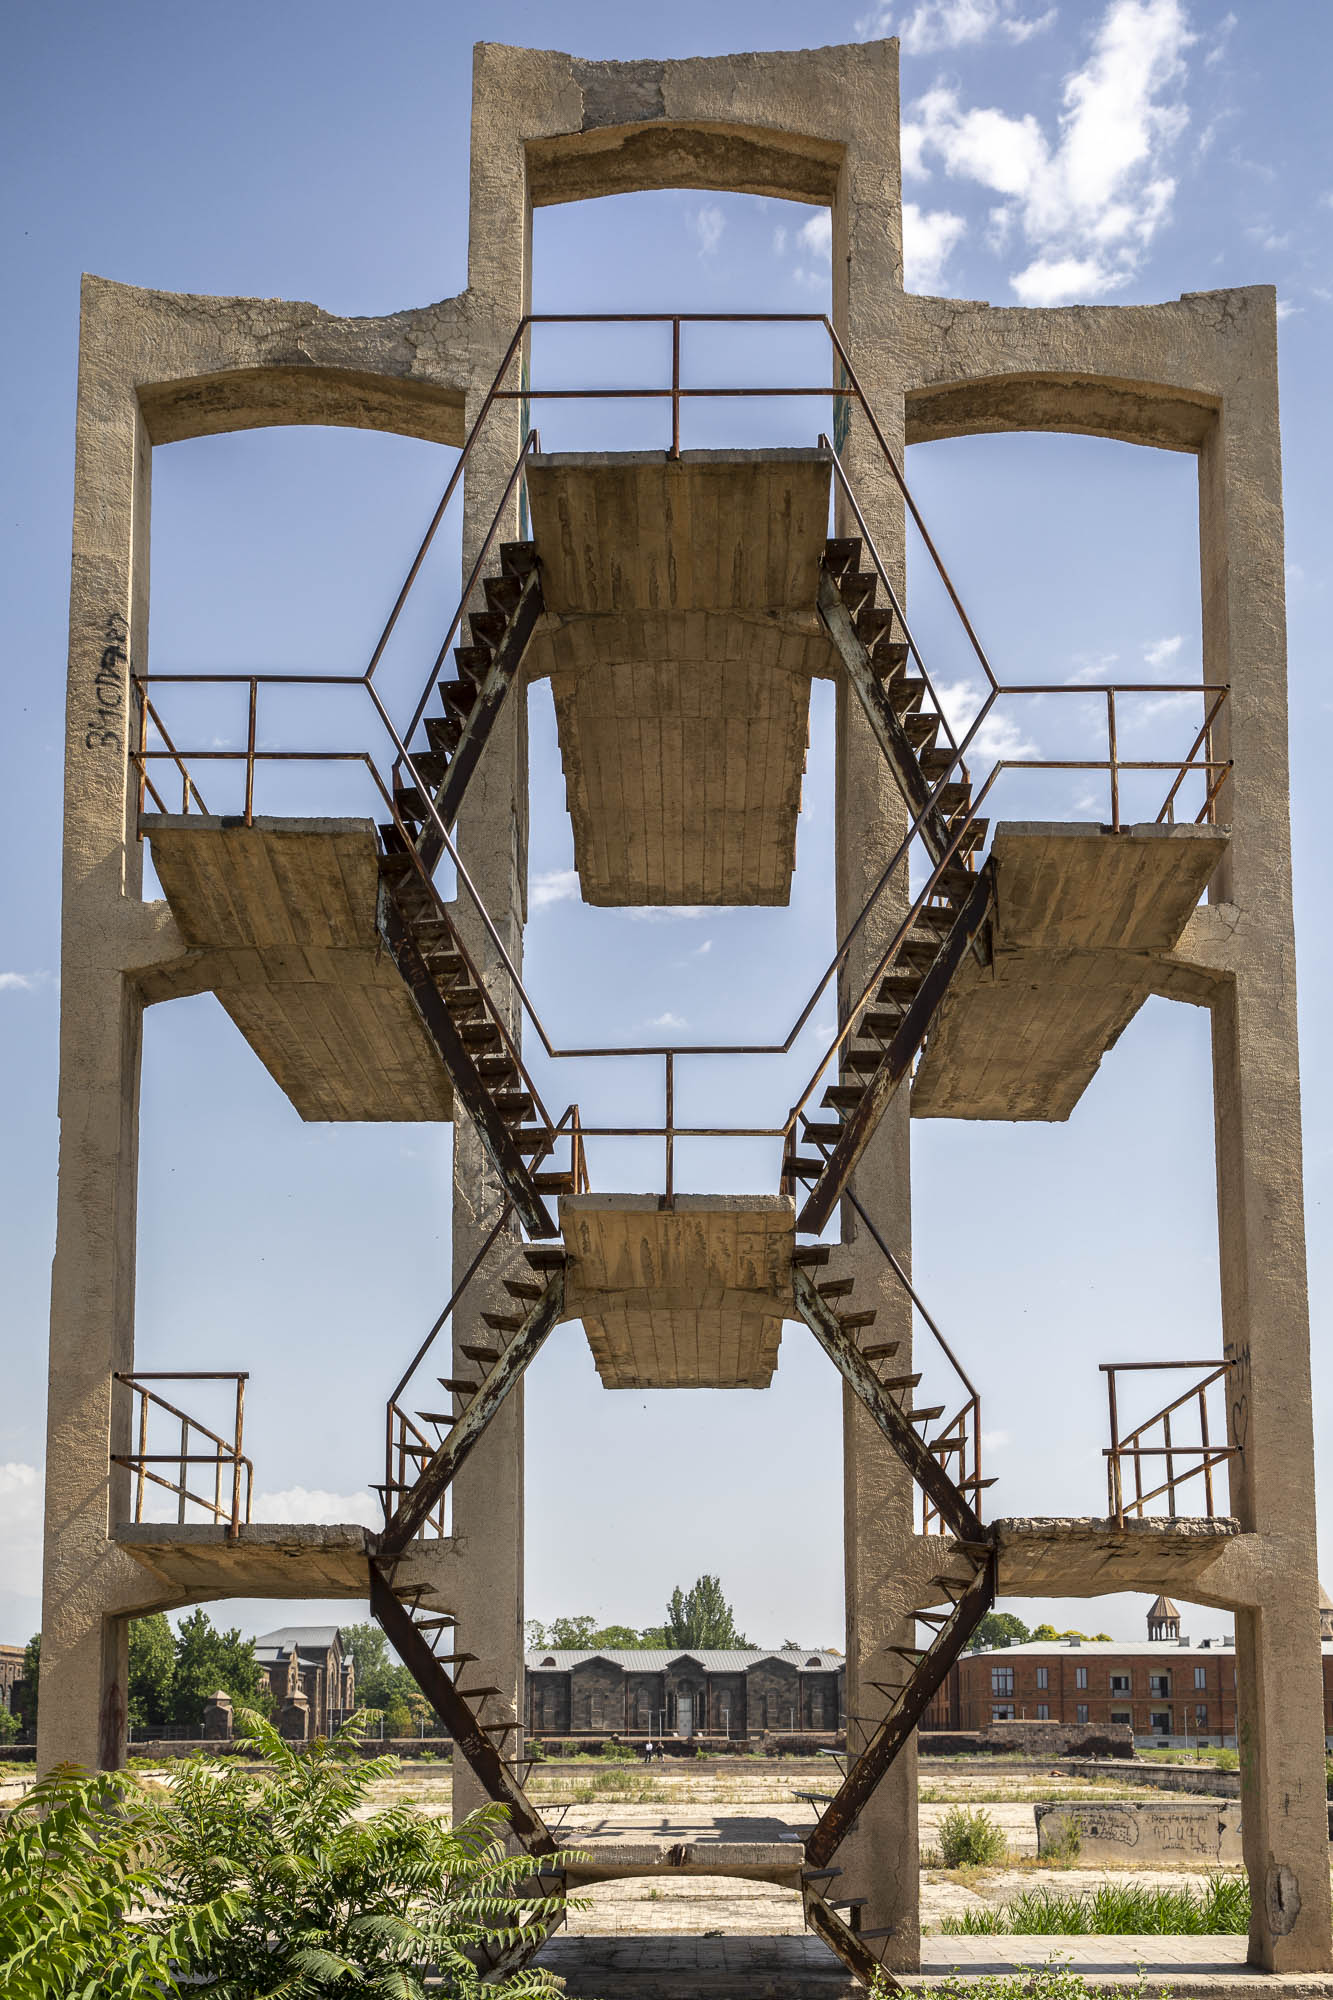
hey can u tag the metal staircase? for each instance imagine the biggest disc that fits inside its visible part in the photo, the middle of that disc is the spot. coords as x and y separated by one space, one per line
480 1718
911 1675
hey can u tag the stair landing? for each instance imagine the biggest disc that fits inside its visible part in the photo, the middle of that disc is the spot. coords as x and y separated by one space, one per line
690 1297
680 639
283 915
1082 916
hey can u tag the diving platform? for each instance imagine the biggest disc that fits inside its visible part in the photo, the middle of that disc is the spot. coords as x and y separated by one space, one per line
1081 916
680 638
690 1296
282 913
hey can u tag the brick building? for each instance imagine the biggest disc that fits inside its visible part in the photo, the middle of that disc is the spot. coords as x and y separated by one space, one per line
661 1692
307 1663
1168 1690
11 1673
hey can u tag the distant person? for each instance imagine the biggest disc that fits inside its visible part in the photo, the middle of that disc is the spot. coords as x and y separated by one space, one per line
648 1751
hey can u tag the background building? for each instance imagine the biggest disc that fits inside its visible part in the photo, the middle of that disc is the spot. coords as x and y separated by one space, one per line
662 1692
309 1660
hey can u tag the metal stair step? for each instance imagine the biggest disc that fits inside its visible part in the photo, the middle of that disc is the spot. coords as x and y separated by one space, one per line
546 1256
881 1350
486 1355
518 558
821 1134
808 1254
502 1322
845 1096
842 552
849 1322
517 1288
924 1416
836 1288
802 1167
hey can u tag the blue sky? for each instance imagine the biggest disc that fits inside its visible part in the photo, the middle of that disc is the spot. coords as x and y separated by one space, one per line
1123 150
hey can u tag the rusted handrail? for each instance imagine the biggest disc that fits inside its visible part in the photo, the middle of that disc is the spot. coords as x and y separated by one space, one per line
1130 1444
227 1451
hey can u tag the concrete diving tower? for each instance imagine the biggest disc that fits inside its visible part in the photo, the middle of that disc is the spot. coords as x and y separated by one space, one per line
680 638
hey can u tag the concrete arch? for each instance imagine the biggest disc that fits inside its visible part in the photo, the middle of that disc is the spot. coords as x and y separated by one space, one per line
287 393
640 157
1162 415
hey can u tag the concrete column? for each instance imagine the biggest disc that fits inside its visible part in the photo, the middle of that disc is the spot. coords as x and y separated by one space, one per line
487 1503
88 1585
1265 1309
880 1858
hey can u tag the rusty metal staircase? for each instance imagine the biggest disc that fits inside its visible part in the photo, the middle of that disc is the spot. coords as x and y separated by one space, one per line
479 1718
911 1675
460 1014
949 919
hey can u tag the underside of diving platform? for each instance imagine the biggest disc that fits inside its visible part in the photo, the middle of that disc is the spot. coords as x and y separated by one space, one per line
680 639
284 913
687 1297
1082 914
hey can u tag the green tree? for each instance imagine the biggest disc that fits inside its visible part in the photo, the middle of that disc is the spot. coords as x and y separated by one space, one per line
206 1660
152 1670
701 1616
581 1633
1046 1633
1001 1628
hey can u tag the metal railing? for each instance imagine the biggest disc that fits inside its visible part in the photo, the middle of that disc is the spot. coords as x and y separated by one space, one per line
231 1468
845 391
1156 1439
957 1444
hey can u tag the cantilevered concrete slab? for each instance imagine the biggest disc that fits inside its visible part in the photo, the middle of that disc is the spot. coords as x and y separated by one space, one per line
680 639
196 1559
1089 1558
285 911
1080 916
691 1297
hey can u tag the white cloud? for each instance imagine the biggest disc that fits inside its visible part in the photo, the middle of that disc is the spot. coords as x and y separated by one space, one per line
1089 202
950 24
929 238
701 949
1090 667
18 982
1225 29
1285 309
667 1020
708 224
780 240
666 913
1162 651
559 885
21 1527
1000 735
307 1503
816 235
1294 574
994 1440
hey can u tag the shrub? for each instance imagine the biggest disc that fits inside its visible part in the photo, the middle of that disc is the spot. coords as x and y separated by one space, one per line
254 1883
1116 1909
622 1753
1039 1982
971 1839
78 1860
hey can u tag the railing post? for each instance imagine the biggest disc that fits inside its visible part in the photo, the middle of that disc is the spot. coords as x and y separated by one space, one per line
1115 772
250 755
236 1461
143 1451
670 1130
185 1469
1207 1458
1113 1463
1170 1466
675 386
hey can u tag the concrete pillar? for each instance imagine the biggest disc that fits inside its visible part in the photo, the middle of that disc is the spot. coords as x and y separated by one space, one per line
487 1496
880 1858
1265 1310
88 1586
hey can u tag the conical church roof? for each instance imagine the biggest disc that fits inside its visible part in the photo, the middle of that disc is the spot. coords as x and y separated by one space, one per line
1164 1608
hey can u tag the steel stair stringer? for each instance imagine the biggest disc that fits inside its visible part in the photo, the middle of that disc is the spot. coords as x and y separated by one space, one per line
396 918
970 1598
897 747
899 1054
438 1472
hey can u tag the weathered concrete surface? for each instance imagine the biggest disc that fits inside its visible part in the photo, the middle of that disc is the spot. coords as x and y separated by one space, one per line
690 1297
1081 915
1067 1557
284 914
1206 1836
680 639
778 1862
196 1559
